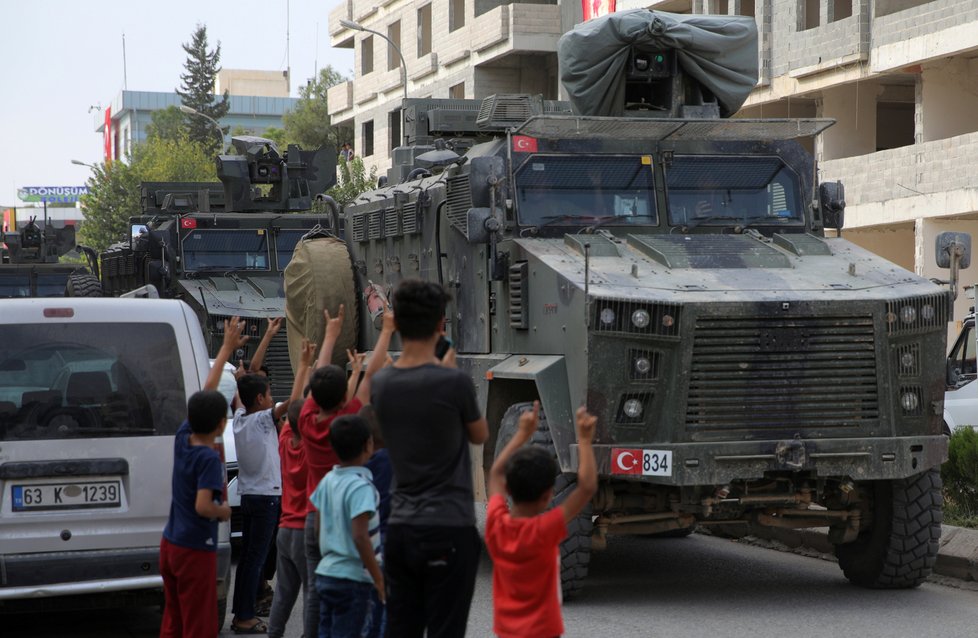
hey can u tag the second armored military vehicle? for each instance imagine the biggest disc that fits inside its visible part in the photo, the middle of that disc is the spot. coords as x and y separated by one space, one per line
639 252
222 247
30 263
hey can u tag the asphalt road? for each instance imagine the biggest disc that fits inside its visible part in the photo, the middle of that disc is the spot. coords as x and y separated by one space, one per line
697 586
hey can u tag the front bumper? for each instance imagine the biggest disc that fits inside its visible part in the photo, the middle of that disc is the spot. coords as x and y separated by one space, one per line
29 576
717 463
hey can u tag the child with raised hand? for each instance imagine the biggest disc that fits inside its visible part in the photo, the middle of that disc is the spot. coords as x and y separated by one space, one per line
524 542
188 550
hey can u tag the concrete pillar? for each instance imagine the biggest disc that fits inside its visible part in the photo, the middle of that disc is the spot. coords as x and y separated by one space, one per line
927 230
949 99
854 108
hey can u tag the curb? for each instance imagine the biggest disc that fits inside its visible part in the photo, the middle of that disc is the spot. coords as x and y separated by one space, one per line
957 557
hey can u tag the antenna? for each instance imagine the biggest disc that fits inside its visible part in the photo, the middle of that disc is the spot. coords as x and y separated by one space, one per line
125 74
288 58
315 61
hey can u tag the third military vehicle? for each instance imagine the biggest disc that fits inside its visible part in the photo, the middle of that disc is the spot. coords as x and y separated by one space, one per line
639 251
30 263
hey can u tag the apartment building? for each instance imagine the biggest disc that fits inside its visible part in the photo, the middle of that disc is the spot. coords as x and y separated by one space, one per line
899 76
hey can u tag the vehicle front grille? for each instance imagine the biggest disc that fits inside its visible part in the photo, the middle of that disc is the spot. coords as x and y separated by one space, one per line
782 373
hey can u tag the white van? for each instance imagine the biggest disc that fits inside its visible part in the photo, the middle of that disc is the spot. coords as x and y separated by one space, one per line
92 392
961 396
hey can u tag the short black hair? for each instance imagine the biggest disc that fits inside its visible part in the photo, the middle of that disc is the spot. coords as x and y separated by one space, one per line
205 411
419 306
328 386
250 387
348 435
530 472
246 364
293 414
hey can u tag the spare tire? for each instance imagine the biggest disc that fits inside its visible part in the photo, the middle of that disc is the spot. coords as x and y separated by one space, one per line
320 276
83 284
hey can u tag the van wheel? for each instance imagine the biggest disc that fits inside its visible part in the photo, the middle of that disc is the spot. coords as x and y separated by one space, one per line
575 551
900 549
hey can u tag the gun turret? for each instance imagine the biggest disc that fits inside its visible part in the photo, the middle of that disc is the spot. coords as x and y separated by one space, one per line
34 244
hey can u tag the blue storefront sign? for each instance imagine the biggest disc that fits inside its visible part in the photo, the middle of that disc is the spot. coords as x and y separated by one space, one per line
51 194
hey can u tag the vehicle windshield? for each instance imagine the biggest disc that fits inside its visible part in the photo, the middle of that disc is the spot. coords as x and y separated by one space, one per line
18 284
74 380
207 249
581 190
285 243
715 190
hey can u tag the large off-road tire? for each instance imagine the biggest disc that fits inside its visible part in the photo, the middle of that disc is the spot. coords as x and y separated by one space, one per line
83 284
575 551
320 276
900 549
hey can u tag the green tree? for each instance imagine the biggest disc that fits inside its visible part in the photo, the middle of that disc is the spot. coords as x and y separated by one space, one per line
168 123
113 195
309 124
352 180
197 89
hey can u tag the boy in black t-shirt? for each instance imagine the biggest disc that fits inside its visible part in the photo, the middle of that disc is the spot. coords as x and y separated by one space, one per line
428 415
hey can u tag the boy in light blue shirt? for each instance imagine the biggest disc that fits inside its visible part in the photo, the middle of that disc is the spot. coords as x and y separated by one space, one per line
348 528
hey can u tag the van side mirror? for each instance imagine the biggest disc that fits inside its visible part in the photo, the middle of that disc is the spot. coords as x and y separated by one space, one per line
832 202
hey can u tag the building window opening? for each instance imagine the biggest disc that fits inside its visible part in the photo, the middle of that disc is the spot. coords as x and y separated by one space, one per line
886 7
424 30
808 14
367 135
367 55
721 7
841 9
456 15
457 92
747 8
394 34
894 125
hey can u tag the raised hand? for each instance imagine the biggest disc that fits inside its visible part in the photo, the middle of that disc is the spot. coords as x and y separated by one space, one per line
274 325
529 421
308 353
233 329
586 423
334 325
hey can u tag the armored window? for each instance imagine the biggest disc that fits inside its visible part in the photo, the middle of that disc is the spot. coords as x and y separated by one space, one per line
394 35
367 138
224 250
725 190
285 243
581 190
367 55
424 30
456 14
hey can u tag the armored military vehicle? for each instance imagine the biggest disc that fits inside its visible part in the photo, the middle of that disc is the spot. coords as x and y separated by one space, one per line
222 247
30 263
638 251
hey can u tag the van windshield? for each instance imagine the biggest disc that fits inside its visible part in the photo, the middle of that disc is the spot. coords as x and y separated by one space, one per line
84 380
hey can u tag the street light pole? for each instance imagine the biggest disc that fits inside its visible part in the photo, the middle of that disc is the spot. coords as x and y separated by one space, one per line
81 163
356 26
192 111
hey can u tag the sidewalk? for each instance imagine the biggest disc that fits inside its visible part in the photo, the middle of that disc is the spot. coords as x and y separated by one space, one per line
958 556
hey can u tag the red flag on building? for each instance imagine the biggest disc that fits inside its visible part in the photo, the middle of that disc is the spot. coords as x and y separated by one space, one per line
107 135
597 8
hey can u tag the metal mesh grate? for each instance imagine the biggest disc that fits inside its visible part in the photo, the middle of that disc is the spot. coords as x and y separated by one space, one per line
518 310
459 198
644 399
917 314
620 316
409 220
391 223
360 228
639 360
908 360
750 373
910 400
375 224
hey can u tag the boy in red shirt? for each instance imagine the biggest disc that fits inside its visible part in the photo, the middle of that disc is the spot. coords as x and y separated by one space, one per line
525 543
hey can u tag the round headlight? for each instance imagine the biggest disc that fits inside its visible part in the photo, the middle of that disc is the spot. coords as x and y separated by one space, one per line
890 317
908 314
667 321
633 408
909 401
907 360
640 318
607 316
927 312
643 365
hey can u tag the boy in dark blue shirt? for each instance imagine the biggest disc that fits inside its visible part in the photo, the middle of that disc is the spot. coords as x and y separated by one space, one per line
188 550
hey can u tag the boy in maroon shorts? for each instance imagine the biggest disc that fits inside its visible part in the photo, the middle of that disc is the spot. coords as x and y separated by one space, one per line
525 543
188 550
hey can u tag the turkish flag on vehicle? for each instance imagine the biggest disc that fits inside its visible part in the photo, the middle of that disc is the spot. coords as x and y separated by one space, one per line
188 223
626 461
524 144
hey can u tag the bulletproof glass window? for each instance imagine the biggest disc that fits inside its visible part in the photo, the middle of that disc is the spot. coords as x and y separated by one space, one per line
85 380
15 284
285 243
580 190
718 190
51 285
206 249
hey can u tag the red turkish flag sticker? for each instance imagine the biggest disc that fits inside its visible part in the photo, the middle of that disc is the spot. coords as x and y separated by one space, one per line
626 461
188 223
524 144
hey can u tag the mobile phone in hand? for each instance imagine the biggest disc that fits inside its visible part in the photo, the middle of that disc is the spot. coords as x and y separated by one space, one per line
442 347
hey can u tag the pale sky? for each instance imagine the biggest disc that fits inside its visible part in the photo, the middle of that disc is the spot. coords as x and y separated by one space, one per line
60 57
